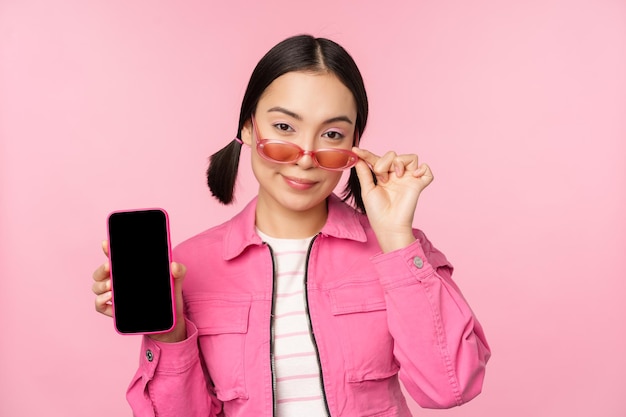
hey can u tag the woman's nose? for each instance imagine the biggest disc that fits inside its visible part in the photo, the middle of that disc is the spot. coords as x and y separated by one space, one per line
306 161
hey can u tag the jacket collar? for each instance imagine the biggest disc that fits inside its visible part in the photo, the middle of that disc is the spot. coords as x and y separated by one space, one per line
343 223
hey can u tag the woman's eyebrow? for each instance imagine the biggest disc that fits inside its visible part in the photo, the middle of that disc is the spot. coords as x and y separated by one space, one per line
299 118
285 111
338 119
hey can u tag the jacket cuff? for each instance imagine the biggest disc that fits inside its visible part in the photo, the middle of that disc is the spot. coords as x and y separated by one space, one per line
403 267
169 358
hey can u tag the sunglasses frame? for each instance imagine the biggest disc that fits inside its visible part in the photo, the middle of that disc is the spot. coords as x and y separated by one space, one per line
260 144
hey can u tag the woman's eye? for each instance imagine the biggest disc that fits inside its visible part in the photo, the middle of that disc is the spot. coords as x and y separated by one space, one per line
333 135
283 126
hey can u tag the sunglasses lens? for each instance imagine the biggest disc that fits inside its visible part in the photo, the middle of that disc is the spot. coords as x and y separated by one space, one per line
335 159
281 152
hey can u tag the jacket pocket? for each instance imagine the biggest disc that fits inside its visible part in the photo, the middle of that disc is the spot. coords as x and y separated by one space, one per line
361 315
222 327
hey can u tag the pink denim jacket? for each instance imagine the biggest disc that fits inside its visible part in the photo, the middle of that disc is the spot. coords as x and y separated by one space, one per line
377 319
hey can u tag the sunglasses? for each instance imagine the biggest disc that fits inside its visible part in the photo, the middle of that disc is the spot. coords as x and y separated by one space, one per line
283 152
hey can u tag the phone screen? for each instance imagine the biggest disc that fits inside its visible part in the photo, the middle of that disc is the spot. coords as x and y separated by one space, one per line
139 252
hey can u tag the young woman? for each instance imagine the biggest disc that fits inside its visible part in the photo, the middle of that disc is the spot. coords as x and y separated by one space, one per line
303 305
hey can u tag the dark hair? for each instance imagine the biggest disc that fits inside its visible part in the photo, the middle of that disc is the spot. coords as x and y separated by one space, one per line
297 53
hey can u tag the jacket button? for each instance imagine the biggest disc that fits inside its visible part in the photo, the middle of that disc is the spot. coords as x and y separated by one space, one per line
417 261
149 355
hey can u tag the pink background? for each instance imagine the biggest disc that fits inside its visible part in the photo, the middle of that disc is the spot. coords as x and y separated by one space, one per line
518 106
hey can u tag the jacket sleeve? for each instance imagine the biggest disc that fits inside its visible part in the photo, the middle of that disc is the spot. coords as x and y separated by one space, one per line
171 381
438 341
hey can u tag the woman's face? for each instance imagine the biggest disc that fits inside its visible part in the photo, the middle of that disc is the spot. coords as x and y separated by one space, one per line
314 111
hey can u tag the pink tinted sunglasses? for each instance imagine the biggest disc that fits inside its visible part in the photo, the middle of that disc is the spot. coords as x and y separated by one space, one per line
282 152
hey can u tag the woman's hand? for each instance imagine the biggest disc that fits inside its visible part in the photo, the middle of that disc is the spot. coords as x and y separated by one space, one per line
102 288
390 204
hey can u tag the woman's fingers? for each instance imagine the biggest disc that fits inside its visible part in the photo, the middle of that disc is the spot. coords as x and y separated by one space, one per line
425 174
390 162
103 304
102 285
178 270
378 165
103 272
102 288
384 166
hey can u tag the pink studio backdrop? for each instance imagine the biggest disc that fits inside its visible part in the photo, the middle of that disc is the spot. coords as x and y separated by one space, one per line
519 107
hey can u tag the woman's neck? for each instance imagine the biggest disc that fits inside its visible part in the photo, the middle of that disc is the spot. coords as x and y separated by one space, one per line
279 222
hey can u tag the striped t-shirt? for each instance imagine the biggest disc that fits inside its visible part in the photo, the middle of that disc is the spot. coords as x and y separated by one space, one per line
296 367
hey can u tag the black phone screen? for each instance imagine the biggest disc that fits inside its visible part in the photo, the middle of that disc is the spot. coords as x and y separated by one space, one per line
139 251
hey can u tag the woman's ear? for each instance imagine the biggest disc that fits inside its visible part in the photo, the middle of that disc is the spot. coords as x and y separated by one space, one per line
246 132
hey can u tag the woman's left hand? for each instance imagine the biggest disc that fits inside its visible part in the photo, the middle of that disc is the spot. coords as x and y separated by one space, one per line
390 204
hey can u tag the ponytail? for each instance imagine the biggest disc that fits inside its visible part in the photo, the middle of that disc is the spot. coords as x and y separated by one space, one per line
222 172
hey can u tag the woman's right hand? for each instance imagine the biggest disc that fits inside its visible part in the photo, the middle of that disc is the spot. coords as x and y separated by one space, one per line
102 288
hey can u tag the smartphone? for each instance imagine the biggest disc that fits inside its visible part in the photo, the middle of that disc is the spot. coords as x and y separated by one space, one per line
141 281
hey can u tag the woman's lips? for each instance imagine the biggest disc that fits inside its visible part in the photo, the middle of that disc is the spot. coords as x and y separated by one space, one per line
299 183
